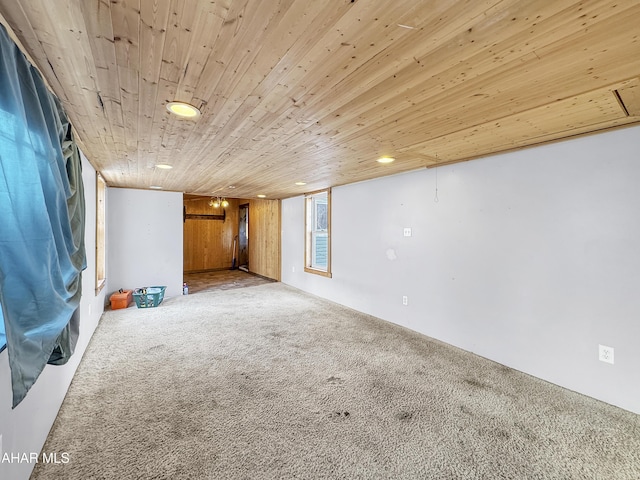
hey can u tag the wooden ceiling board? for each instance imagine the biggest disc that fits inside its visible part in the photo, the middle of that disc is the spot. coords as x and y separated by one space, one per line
408 79
154 17
126 36
291 90
630 97
180 39
426 108
507 88
368 62
108 92
581 114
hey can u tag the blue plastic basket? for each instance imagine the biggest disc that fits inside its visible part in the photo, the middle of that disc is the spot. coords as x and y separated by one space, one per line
147 297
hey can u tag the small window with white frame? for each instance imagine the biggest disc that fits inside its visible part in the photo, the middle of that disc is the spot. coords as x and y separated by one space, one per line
318 233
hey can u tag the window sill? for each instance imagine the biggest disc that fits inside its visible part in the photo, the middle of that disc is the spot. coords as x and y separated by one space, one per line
322 273
100 286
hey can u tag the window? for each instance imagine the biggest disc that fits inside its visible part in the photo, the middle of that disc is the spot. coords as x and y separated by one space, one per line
318 233
101 276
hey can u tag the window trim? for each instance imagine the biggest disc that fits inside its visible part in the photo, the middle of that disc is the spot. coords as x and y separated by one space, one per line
308 197
101 267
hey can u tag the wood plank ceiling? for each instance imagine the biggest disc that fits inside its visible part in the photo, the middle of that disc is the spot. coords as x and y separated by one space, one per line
315 91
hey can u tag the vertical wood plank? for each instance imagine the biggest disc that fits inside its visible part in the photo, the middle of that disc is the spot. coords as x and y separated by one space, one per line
264 238
208 244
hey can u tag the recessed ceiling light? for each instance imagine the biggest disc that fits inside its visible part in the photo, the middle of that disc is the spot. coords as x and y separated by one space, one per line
261 196
155 187
301 183
164 166
183 109
386 159
232 186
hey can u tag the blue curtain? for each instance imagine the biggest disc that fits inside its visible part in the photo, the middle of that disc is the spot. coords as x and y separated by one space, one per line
3 337
42 249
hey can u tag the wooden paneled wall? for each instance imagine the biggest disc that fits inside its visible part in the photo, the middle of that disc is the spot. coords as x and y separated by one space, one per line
264 238
208 244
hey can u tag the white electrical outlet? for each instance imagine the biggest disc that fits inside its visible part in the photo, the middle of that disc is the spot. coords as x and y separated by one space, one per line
605 354
407 232
405 300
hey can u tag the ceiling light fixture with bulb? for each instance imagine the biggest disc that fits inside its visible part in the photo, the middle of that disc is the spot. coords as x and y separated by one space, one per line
385 160
218 202
184 110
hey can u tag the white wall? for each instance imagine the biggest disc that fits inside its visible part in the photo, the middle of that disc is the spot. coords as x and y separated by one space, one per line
25 429
530 258
144 238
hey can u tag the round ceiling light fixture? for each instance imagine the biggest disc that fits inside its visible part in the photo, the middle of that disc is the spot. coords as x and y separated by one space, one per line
182 109
386 160
261 195
164 166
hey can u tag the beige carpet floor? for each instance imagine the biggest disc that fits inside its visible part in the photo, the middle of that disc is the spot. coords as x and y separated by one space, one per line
268 382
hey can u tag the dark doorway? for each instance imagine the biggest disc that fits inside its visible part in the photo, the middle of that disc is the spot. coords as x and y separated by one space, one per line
243 238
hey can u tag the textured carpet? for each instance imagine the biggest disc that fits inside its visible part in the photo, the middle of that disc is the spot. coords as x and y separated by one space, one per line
268 382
